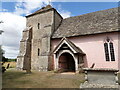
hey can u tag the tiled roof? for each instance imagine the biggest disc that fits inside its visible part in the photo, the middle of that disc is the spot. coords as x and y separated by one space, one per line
91 23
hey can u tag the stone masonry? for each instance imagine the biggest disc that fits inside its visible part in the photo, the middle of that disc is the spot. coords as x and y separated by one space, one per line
35 45
48 37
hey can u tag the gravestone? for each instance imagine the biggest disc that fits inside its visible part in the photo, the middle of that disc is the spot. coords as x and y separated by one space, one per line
100 79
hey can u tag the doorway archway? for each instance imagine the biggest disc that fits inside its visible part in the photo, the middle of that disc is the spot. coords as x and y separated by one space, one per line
67 56
66 62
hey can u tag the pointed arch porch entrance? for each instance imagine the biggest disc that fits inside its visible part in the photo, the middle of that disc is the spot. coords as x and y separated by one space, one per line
67 56
66 62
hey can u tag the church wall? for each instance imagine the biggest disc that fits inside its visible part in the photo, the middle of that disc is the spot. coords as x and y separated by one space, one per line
43 26
40 38
23 43
19 64
93 47
57 20
23 50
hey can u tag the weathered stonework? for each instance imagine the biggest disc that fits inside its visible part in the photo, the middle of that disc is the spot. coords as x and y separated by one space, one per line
100 79
34 53
24 58
83 47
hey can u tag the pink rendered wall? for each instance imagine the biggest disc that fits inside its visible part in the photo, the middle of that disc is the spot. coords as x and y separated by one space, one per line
93 47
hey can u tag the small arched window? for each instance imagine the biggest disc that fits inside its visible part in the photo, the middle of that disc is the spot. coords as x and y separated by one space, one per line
106 52
109 50
38 52
38 25
112 51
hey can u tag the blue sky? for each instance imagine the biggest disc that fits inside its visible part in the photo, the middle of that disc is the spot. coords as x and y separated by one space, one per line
76 8
12 14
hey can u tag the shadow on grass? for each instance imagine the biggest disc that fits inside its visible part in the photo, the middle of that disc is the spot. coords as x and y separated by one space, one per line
12 78
13 74
19 79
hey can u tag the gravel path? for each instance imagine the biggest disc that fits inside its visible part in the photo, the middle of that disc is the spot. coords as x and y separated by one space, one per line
69 76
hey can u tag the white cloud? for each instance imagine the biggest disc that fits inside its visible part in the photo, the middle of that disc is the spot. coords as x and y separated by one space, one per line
64 0
4 10
64 13
85 0
14 24
12 27
26 6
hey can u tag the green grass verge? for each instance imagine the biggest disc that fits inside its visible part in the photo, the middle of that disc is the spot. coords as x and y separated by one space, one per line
19 79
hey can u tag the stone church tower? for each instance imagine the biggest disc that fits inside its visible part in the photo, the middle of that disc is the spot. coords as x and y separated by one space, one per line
35 45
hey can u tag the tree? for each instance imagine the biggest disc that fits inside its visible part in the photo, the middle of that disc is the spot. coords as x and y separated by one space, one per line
1 53
4 59
1 30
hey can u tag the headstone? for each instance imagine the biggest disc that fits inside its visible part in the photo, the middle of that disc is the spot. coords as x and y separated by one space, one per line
7 66
100 79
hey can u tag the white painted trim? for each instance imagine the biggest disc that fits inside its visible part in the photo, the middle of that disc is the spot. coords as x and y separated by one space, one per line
64 41
56 59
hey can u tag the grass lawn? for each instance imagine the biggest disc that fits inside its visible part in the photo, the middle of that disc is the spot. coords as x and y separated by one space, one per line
12 64
19 79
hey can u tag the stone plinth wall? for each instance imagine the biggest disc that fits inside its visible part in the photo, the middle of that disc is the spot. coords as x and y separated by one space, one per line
100 78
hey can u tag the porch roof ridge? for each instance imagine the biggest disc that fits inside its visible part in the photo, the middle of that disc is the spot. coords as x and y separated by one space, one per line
69 44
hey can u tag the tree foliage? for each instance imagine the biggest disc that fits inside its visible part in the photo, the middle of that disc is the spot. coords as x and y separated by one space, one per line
4 59
1 53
